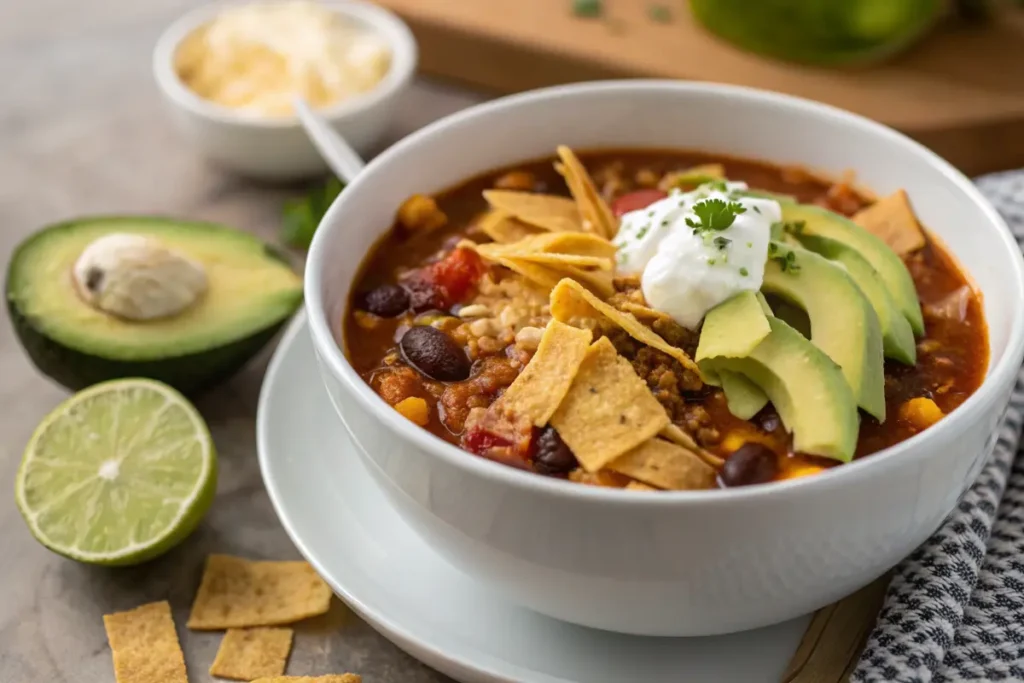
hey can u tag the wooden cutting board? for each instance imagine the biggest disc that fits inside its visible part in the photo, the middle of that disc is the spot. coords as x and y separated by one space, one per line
961 91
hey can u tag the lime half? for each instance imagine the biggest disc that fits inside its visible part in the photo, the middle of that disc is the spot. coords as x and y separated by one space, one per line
118 473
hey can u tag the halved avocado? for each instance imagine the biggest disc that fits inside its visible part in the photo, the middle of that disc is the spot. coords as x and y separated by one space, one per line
807 389
843 323
894 275
251 292
897 336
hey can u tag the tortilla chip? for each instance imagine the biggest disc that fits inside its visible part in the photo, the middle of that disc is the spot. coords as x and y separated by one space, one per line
503 228
665 465
593 209
543 276
248 653
641 311
673 433
544 382
639 486
236 593
564 261
608 409
569 299
145 645
582 243
546 211
892 219
330 678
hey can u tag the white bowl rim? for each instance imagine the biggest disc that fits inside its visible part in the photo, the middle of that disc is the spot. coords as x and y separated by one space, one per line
916 446
404 60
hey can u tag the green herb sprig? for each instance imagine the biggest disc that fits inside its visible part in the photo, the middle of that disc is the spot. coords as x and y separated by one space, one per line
301 216
714 215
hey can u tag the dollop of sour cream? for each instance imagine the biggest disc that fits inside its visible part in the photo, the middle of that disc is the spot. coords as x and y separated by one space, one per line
685 271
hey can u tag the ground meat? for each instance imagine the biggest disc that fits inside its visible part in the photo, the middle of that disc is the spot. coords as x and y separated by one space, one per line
398 383
697 421
491 375
676 335
668 380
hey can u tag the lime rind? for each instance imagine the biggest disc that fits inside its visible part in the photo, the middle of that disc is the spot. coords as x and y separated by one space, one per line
101 500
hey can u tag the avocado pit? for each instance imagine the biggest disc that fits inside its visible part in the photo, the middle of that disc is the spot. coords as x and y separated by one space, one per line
136 278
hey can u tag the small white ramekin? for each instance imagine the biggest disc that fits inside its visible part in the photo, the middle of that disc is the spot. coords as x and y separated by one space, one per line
278 148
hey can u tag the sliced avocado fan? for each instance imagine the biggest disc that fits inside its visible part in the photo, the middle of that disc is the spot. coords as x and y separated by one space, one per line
897 336
843 323
818 222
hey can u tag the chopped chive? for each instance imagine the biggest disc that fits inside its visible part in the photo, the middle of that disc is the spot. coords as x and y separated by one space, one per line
744 272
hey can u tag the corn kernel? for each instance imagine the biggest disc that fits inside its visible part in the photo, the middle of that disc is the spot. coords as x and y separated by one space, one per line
415 409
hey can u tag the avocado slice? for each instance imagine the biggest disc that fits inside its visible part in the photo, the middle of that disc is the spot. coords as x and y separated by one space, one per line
733 329
843 323
817 221
897 336
251 292
807 388
743 398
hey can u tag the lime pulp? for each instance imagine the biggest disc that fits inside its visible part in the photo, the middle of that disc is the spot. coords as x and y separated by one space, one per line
118 473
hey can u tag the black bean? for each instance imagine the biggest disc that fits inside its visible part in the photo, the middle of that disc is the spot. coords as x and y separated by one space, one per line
769 420
434 354
553 455
751 463
387 301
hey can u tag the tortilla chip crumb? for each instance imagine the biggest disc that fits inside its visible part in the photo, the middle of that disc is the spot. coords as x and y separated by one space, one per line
236 593
249 653
145 645
663 464
330 678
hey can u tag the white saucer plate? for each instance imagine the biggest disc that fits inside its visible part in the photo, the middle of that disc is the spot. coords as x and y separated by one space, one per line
342 524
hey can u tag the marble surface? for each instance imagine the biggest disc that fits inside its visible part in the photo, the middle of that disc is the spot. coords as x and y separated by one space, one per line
82 131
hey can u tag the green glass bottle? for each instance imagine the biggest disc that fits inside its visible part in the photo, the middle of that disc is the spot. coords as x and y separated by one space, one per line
822 32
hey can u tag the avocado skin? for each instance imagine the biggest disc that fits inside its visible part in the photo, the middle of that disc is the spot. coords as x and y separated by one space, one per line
190 374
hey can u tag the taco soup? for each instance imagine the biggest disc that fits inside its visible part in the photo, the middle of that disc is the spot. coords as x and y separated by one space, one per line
664 320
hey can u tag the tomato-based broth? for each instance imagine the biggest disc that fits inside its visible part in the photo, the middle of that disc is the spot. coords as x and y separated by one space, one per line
466 293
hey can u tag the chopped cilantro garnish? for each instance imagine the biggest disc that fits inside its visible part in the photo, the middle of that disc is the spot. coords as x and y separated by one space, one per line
642 231
750 245
757 209
711 261
787 261
659 13
717 185
722 242
587 8
714 215
772 249
744 272
795 227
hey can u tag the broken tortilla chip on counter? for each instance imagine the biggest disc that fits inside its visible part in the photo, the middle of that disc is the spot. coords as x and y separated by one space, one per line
608 409
540 387
145 645
246 654
329 678
236 593
665 465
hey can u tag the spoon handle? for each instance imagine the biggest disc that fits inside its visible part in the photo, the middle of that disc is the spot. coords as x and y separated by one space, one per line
338 154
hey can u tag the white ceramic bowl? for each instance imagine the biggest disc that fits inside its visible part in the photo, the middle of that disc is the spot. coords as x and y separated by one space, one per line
691 562
279 149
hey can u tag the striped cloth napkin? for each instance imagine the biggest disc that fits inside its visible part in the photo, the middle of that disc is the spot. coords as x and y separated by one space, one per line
955 608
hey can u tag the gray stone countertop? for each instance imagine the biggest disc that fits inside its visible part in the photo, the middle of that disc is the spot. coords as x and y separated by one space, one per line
83 131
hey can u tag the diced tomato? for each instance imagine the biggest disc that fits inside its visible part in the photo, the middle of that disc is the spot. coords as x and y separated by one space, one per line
458 273
632 201
480 441
445 283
